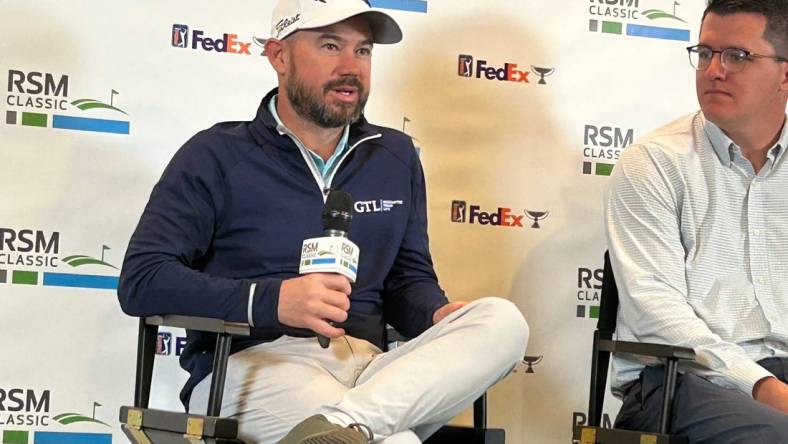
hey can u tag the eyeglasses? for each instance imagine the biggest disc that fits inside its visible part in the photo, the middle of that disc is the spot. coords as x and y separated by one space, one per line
733 59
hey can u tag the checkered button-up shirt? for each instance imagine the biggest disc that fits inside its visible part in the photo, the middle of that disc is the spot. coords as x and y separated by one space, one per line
699 248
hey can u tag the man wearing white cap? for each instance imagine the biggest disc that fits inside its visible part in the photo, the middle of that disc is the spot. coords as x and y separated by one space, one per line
221 237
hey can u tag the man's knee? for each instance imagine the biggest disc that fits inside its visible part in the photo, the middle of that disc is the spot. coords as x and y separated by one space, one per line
504 323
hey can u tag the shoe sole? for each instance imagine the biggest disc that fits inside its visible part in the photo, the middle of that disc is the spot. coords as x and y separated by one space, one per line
343 436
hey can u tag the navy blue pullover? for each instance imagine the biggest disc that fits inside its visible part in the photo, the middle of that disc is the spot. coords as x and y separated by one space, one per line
232 209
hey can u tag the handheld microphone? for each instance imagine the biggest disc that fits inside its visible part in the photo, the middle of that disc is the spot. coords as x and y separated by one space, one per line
334 252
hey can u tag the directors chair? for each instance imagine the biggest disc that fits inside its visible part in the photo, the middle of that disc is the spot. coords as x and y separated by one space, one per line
149 426
603 346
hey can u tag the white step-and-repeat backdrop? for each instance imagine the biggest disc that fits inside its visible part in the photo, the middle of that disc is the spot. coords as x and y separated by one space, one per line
520 108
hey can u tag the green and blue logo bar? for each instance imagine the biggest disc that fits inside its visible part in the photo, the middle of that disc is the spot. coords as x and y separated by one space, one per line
71 438
653 32
657 32
402 5
90 124
40 120
80 281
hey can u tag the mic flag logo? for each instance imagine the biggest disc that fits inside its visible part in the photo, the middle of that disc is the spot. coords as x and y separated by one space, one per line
180 36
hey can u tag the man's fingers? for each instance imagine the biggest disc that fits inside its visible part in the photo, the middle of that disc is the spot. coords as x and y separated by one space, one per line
331 313
322 327
337 282
336 299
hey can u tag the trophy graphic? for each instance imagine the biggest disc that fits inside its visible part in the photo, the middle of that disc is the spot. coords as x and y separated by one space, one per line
536 216
531 361
543 72
261 43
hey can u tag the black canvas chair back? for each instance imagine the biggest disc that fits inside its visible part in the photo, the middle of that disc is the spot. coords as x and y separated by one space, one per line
606 326
608 302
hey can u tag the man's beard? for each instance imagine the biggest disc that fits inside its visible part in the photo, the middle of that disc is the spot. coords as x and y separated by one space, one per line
312 105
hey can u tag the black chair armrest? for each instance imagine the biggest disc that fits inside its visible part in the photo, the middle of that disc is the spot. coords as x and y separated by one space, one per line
212 325
647 349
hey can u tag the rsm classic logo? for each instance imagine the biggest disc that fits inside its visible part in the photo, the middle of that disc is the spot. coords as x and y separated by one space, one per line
602 146
656 19
24 408
32 257
589 288
42 100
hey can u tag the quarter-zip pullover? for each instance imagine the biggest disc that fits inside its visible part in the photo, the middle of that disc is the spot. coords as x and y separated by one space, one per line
224 226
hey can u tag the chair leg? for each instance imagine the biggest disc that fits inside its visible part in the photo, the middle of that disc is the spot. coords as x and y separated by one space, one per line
480 412
669 391
600 360
220 358
146 352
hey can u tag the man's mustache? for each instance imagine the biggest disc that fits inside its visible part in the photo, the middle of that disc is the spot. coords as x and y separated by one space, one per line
345 81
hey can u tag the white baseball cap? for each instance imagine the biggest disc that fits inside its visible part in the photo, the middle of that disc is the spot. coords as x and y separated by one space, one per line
291 15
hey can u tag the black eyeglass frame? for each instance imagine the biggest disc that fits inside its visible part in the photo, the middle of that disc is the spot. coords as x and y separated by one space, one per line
749 55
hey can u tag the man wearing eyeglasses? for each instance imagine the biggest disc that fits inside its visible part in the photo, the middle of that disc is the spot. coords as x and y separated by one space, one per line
697 225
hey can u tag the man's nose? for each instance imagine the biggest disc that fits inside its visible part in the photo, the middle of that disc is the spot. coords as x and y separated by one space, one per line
715 70
349 63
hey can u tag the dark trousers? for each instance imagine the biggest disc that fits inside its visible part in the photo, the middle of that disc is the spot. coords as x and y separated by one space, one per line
704 412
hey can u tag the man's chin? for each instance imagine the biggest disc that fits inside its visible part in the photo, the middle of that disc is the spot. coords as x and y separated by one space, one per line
719 117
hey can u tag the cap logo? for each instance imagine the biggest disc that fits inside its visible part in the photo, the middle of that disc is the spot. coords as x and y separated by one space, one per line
285 23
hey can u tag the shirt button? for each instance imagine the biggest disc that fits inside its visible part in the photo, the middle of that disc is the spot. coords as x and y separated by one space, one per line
761 280
756 232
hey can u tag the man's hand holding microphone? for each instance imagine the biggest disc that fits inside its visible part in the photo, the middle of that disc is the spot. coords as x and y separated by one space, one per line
320 297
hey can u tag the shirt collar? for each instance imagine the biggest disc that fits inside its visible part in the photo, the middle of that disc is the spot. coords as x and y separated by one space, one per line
724 146
325 167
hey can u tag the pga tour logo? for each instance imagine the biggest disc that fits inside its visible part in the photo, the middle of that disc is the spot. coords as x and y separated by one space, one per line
180 36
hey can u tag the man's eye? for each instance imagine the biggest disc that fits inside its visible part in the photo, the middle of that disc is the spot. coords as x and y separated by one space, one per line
705 54
737 56
365 51
330 46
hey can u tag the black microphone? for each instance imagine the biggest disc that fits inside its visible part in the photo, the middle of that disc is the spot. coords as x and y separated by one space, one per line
337 214
334 252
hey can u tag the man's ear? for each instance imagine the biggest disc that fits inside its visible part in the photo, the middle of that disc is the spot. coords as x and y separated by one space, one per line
275 50
784 83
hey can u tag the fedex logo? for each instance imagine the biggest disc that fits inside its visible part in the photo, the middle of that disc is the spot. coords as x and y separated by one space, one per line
509 72
227 43
502 217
